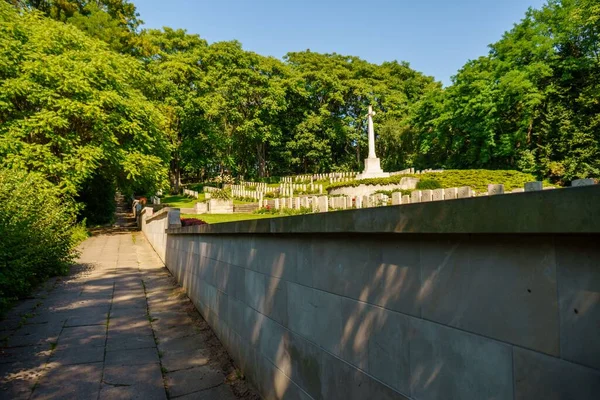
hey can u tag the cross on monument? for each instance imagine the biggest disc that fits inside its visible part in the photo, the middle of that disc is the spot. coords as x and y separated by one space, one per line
372 163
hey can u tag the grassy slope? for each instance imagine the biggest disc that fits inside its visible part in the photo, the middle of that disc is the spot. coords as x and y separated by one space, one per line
218 218
477 179
179 201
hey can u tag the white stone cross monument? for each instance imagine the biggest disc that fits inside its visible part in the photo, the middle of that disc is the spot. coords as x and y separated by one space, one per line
372 164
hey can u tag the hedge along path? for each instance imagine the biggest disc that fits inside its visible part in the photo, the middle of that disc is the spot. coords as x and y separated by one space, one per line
116 327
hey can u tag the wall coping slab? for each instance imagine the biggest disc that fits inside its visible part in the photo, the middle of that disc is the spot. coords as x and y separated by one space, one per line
567 210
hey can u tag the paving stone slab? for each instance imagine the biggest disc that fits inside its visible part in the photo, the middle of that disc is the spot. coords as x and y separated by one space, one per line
70 382
130 323
38 334
221 392
94 318
77 354
141 356
25 356
192 380
136 381
177 360
177 332
128 341
188 343
92 335
136 392
16 389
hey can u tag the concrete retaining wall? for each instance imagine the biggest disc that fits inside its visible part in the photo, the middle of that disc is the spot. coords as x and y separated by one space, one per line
371 304
218 206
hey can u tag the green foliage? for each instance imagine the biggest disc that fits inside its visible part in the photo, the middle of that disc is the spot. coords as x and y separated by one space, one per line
219 218
284 211
71 108
178 201
531 104
79 232
220 195
430 184
388 193
36 227
98 198
70 105
113 21
477 179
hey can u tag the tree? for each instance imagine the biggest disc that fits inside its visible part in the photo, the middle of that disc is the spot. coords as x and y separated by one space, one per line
531 104
113 21
70 108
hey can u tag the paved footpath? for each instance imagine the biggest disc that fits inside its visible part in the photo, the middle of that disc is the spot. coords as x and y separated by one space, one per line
117 328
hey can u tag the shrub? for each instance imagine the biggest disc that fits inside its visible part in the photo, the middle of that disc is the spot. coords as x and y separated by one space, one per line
430 184
36 231
98 197
191 222
220 195
79 233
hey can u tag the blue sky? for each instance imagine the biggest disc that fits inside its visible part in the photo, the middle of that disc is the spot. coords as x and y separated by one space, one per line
436 37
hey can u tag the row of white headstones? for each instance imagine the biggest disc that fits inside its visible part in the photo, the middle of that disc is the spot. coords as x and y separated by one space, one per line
284 189
345 176
327 203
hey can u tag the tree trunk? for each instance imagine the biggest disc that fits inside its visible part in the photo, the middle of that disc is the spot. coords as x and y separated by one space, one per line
260 152
175 174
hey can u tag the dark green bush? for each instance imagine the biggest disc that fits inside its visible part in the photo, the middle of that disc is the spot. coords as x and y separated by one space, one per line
98 198
36 233
430 184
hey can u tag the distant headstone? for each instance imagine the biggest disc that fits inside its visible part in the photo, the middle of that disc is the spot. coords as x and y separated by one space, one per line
358 201
582 182
406 199
323 204
426 195
304 202
465 192
415 196
450 193
438 194
314 203
365 202
533 186
396 198
495 189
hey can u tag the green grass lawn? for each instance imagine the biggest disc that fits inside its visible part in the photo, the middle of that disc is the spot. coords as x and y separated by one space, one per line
236 201
180 201
218 218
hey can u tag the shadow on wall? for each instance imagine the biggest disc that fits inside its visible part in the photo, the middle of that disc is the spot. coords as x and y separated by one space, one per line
348 316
